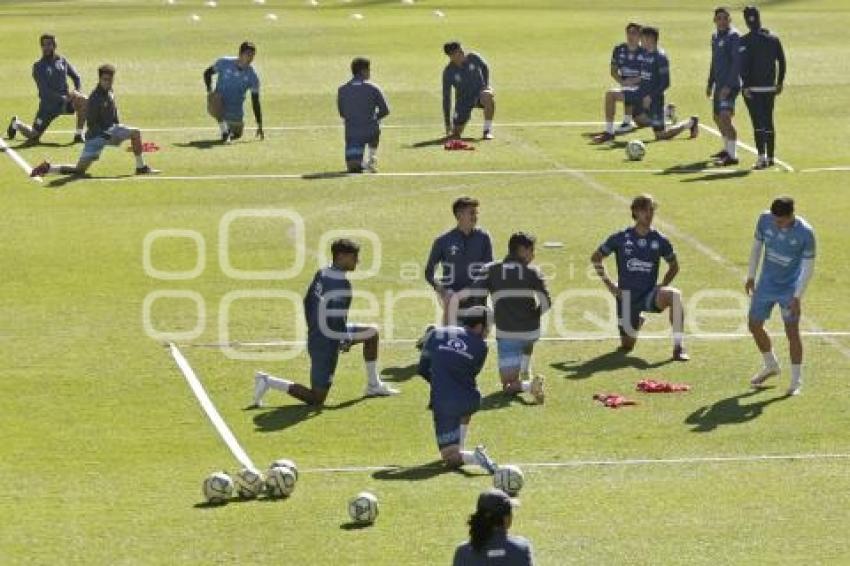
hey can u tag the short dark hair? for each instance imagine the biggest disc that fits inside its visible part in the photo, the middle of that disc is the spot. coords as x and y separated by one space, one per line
651 31
359 64
782 206
721 10
105 69
450 47
247 46
520 240
643 202
45 36
633 25
475 315
461 203
344 246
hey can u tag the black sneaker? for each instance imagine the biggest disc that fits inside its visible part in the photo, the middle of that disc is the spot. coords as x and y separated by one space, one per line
720 154
11 131
78 138
604 137
225 137
40 170
761 164
146 170
725 161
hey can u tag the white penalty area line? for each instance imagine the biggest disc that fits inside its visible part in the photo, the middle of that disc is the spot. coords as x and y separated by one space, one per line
20 161
746 147
207 405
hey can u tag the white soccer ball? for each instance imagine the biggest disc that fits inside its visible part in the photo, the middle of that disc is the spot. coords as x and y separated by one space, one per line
217 488
363 509
249 483
280 482
635 150
285 463
509 479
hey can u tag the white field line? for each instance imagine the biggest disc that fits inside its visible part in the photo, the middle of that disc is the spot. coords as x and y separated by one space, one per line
746 147
20 161
612 463
839 168
718 336
207 405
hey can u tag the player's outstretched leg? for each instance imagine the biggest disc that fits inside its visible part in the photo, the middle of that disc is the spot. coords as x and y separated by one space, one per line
45 168
691 124
670 297
263 382
16 126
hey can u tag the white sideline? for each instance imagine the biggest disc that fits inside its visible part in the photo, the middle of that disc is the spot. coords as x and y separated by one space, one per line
20 161
746 147
826 169
207 405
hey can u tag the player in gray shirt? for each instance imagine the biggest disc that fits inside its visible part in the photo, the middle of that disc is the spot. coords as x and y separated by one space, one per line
362 106
489 542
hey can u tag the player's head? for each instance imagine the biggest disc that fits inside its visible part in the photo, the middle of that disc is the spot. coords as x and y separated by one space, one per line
521 246
633 34
782 209
247 50
722 18
643 209
494 512
649 36
360 68
455 51
752 17
345 254
478 318
105 76
47 42
465 210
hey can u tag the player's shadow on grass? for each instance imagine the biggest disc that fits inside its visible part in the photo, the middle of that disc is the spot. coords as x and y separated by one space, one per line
729 411
400 373
326 175
419 473
435 142
199 144
500 400
721 175
30 145
352 526
686 168
609 361
287 416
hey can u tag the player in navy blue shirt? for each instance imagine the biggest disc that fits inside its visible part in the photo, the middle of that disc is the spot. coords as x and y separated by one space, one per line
236 76
787 266
724 83
490 543
625 70
639 250
362 105
452 357
51 74
469 75
326 307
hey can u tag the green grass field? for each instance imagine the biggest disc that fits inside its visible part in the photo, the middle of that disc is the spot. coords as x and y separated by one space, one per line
104 447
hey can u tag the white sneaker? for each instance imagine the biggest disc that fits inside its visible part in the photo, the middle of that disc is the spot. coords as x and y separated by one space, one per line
795 388
261 385
763 374
624 128
372 165
483 460
537 389
380 390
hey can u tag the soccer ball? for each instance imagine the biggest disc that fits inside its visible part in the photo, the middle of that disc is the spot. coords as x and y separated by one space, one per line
249 483
217 488
509 479
635 150
280 482
284 463
363 509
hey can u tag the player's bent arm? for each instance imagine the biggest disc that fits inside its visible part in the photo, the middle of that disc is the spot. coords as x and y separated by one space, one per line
672 272
615 74
383 107
596 259
208 74
807 269
75 76
431 264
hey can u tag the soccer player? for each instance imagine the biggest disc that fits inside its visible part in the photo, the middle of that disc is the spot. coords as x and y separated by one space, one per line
655 80
625 70
362 105
236 76
469 74
102 129
724 83
452 357
326 307
489 541
788 242
51 74
761 54
639 250
520 298
462 252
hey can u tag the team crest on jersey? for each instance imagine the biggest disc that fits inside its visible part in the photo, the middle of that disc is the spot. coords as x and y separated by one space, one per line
642 243
720 43
454 249
457 77
654 245
472 66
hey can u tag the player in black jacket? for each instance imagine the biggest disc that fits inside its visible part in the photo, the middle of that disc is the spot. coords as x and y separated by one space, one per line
761 54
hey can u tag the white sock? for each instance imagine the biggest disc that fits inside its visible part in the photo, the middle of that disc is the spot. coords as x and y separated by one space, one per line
678 339
372 374
627 118
371 153
463 430
468 458
770 359
140 160
796 373
525 364
609 127
526 385
79 131
223 127
488 125
731 148
279 384
16 124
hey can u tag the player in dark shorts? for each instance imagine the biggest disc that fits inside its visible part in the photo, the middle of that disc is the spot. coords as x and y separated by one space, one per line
362 105
51 74
469 75
625 70
724 84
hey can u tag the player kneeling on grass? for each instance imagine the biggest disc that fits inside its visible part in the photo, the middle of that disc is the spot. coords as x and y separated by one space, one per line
469 74
326 307
452 357
362 106
489 541
639 250
226 103
789 262
103 129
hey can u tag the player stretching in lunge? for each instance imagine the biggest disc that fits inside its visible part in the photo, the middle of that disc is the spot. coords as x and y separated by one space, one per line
329 332
639 250
724 83
625 70
362 105
451 359
469 74
51 74
103 128
236 76
788 264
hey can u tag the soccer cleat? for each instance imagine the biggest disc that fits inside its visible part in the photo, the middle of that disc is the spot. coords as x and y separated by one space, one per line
725 161
225 137
487 135
147 170
604 137
483 460
78 139
372 165
40 170
694 127
720 154
625 128
680 355
261 385
763 374
761 164
770 162
380 390
795 388
11 130
420 342
538 390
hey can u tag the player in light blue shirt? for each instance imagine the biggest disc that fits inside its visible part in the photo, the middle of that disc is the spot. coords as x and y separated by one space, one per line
787 265
225 103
